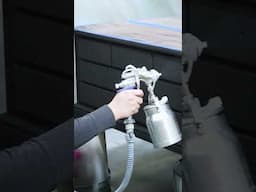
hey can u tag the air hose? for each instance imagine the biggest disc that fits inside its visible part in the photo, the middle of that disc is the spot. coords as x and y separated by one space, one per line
129 126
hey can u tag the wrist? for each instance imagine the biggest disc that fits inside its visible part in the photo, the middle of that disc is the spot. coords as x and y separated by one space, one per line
113 109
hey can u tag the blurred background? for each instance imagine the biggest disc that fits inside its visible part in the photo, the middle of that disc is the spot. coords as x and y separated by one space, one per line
113 11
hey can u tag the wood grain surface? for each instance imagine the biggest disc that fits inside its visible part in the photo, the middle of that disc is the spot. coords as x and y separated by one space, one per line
161 32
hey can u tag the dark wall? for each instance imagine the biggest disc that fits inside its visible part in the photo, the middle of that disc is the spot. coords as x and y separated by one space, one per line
227 67
2 64
39 61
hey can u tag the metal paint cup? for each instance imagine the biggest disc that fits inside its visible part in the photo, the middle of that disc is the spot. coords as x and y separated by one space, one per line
162 125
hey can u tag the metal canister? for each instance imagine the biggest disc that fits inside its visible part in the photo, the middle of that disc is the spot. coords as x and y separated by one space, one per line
162 125
91 173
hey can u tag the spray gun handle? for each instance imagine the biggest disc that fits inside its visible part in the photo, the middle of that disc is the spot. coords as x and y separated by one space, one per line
126 88
128 122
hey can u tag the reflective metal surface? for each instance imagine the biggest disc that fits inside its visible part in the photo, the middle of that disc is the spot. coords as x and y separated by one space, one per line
162 125
91 172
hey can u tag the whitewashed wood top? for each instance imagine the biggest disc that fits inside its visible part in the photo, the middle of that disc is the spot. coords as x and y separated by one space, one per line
161 32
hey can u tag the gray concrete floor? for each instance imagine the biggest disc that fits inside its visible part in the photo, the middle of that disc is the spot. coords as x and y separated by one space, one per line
153 167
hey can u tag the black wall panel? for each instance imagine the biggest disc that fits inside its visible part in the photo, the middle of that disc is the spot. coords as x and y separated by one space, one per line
3 106
31 48
93 96
40 95
94 50
229 23
122 56
55 9
99 75
39 63
169 66
172 91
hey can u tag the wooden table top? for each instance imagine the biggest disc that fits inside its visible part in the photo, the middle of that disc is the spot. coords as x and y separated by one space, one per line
160 32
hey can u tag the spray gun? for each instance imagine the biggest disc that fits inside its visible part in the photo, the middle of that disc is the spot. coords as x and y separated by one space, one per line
160 120
132 76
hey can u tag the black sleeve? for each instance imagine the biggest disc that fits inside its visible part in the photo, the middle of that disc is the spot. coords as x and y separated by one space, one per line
39 164
90 125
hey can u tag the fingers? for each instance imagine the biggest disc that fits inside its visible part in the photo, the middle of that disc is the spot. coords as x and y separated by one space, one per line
128 102
134 104
135 109
135 100
139 100
136 92
135 96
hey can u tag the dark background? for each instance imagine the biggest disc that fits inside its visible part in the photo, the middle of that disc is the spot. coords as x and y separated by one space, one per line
39 67
227 68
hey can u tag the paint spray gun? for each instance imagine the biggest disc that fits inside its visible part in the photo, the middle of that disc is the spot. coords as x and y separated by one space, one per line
160 120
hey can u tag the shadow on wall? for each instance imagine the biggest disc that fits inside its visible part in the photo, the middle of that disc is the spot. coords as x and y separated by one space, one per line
113 11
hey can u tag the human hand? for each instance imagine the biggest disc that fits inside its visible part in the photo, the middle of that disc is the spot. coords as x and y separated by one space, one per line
126 103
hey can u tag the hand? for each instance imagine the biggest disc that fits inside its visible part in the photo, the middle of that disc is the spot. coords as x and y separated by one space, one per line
126 103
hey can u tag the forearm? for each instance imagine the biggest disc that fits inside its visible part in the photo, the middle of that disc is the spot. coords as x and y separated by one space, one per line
39 164
43 162
90 125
